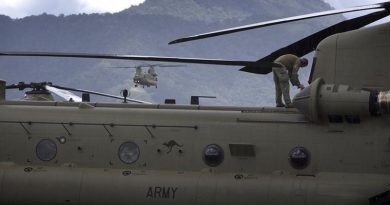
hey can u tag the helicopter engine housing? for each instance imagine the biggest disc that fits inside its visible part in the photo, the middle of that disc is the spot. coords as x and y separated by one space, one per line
334 102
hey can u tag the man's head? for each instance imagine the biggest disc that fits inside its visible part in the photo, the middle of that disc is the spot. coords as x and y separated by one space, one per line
303 62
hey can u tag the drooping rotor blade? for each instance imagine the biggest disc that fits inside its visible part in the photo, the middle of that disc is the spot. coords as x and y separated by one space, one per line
20 86
169 66
68 96
145 58
123 67
308 44
280 21
23 85
159 65
101 94
151 65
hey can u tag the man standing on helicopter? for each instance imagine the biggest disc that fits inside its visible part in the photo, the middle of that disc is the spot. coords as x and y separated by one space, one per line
288 70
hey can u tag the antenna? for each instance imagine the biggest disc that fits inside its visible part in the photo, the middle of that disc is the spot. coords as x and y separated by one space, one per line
195 99
125 94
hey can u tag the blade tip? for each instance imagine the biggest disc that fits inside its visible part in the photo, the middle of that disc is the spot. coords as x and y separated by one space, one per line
174 42
180 40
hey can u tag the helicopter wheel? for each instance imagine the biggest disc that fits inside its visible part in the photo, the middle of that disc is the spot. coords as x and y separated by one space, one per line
135 85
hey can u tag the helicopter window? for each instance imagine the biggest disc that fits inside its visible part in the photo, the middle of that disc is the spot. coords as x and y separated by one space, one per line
46 150
213 155
299 157
128 152
313 66
354 119
335 118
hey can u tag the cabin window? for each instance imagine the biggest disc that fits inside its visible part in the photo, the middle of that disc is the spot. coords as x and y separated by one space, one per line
46 150
299 157
353 119
213 155
335 118
128 152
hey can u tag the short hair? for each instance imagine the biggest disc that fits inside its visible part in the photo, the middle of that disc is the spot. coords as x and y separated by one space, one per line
303 62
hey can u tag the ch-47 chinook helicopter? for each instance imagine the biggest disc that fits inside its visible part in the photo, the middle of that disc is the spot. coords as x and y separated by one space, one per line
148 78
333 149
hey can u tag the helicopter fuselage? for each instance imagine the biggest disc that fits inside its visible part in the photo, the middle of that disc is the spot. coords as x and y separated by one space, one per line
145 80
83 164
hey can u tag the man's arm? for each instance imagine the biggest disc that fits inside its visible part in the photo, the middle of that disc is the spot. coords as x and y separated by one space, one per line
294 78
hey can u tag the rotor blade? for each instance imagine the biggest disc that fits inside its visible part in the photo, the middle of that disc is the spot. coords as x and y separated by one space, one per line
170 66
144 58
19 86
101 94
23 85
68 96
161 65
123 67
280 21
308 44
153 65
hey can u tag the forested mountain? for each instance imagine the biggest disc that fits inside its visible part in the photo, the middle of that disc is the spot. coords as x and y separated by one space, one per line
145 30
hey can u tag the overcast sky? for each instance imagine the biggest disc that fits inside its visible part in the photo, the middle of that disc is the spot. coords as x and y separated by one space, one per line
22 8
348 3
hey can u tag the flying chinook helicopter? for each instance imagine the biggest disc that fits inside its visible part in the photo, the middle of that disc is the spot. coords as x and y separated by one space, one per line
333 149
148 78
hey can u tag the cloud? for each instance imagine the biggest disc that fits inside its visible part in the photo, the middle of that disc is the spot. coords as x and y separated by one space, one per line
108 6
22 8
349 3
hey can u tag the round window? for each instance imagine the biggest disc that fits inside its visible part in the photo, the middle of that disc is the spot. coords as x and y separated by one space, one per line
299 157
46 150
128 152
213 155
